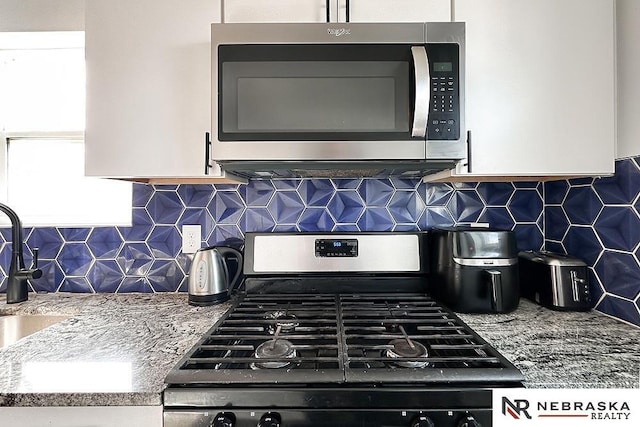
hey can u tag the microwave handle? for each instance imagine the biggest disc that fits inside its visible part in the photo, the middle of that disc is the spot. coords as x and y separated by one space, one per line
423 91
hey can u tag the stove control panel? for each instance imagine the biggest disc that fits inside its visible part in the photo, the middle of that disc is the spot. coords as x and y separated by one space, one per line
329 248
370 417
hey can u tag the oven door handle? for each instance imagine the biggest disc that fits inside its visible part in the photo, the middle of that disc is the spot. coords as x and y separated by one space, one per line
423 91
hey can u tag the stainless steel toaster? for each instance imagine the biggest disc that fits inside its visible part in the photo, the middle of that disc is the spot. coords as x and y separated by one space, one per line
556 281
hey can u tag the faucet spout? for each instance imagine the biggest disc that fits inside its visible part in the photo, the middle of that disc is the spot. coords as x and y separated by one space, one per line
17 290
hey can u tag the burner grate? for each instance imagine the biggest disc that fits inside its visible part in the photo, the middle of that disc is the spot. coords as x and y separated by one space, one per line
308 324
373 321
342 338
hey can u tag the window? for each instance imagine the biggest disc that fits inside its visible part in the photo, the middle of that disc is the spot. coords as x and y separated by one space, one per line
42 92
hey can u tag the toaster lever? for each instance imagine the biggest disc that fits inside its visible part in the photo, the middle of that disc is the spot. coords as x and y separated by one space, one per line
575 285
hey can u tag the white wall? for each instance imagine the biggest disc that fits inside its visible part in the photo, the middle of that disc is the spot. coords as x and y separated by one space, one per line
628 37
42 15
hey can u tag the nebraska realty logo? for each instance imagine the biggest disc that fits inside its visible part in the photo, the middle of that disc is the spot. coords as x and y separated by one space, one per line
603 410
573 407
517 408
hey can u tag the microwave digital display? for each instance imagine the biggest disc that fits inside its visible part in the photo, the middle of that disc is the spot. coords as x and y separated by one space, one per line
443 66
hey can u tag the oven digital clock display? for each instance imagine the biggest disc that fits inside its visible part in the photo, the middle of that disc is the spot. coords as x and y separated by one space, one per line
329 248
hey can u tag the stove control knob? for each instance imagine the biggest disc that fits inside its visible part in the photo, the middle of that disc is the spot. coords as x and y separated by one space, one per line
422 421
270 419
468 421
224 420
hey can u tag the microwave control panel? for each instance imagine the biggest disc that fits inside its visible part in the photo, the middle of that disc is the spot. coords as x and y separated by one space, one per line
444 105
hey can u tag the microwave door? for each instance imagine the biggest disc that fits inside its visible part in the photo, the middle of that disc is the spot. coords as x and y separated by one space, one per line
423 91
320 102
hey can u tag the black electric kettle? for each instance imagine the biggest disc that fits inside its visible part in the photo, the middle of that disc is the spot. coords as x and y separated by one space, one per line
209 275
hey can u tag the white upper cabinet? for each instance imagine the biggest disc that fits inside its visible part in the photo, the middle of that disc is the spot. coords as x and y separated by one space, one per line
628 56
540 86
149 81
397 10
148 87
540 80
316 10
276 11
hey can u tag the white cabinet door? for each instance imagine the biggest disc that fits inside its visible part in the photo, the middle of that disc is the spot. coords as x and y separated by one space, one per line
316 10
148 87
398 10
276 11
82 416
628 56
540 86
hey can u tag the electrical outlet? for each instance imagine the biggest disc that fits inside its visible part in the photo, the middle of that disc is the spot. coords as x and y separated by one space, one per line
191 236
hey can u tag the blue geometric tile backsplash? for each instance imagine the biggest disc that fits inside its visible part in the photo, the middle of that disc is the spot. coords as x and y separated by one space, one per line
598 220
595 219
146 257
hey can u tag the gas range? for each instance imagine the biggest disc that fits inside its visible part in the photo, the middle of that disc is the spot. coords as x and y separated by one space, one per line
336 330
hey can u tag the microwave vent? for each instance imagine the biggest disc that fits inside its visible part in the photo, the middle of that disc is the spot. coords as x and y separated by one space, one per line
335 169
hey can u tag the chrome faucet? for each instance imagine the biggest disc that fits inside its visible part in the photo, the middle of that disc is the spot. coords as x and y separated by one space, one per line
17 290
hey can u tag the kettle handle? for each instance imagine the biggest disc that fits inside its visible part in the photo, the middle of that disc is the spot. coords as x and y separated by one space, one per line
225 251
495 287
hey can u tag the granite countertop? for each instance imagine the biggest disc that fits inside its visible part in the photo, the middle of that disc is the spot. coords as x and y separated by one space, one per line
117 349
555 349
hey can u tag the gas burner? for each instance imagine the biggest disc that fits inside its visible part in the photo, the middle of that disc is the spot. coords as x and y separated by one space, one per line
391 327
274 349
406 348
283 320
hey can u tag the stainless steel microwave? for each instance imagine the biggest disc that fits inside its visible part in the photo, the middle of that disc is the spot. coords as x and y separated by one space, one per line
337 98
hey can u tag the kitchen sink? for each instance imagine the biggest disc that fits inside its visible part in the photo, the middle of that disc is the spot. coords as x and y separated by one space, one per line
17 326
